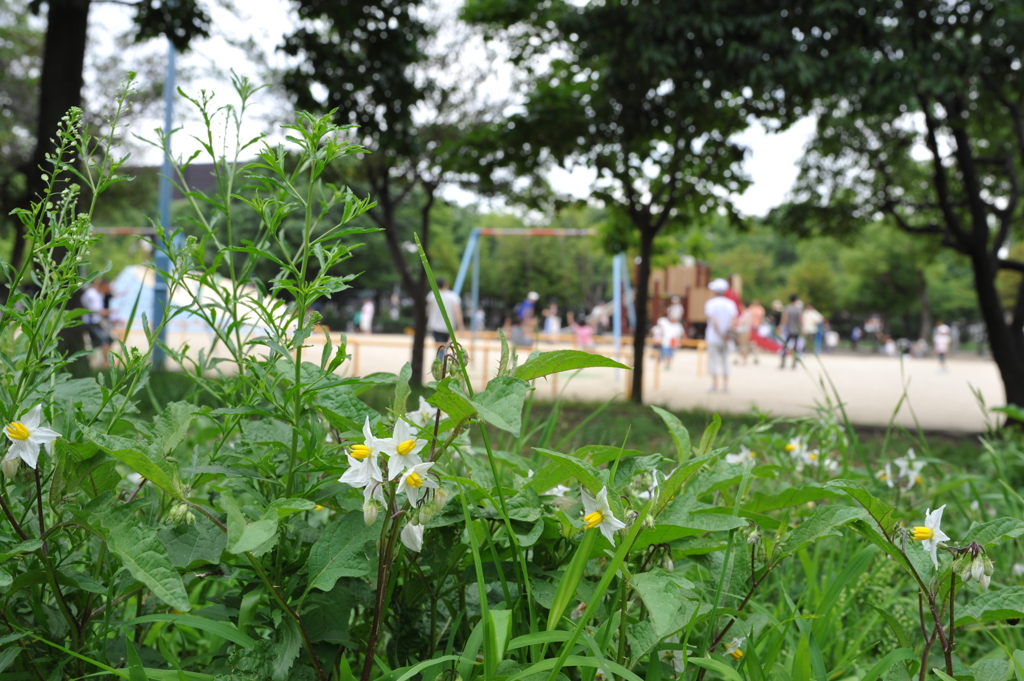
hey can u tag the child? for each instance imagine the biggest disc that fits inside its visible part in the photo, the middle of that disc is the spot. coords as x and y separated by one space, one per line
670 332
584 333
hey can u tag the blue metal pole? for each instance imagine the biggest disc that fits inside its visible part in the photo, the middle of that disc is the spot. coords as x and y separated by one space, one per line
161 259
617 266
475 287
467 256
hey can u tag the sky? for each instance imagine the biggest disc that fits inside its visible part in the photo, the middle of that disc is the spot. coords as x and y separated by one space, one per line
770 163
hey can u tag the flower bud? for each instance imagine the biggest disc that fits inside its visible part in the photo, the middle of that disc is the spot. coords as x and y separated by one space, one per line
963 566
181 514
440 499
10 466
667 565
753 537
984 582
978 568
989 567
1017 569
649 523
370 511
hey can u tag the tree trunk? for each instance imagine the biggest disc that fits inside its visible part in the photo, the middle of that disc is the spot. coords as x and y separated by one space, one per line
643 276
60 88
926 310
1002 337
419 296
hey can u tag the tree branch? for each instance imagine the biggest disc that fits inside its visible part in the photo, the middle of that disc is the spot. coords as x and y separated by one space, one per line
941 181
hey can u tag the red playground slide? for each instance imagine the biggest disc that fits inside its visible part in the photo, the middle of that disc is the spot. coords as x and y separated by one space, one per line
769 344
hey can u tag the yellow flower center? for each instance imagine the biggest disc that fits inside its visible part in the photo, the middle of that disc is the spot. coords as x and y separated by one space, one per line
736 654
923 533
813 456
753 454
359 452
414 480
318 508
592 520
882 476
790 447
16 431
406 447
917 479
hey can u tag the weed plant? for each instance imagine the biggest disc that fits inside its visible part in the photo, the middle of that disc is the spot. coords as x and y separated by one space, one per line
269 522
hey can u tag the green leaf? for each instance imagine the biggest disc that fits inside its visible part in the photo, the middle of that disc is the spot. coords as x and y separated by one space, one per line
171 427
135 670
679 477
994 531
146 558
992 606
822 524
225 630
5 579
286 507
449 398
343 409
586 474
710 433
717 667
716 519
193 545
402 390
571 579
661 592
8 657
680 435
563 360
287 649
339 552
501 403
155 468
882 512
790 497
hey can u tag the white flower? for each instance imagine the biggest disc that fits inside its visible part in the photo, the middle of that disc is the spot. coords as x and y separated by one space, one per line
672 657
362 473
403 449
795 447
26 437
831 465
931 534
414 480
597 513
556 491
425 415
984 581
371 447
885 475
412 537
733 649
578 611
1017 569
745 457
134 478
810 456
910 468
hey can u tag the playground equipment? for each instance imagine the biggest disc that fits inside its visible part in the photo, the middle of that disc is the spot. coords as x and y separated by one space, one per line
620 278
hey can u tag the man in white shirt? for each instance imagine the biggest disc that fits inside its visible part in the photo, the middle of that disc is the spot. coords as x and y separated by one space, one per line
943 338
720 313
94 300
452 306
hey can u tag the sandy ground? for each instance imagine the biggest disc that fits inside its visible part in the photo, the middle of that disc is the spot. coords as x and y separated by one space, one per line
870 386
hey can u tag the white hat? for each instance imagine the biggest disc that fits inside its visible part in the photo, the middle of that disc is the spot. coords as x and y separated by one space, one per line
533 295
719 286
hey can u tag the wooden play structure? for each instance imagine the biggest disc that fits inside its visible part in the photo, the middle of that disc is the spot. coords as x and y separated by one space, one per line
690 283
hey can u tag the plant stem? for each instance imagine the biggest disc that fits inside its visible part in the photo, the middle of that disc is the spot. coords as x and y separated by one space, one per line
10 517
387 542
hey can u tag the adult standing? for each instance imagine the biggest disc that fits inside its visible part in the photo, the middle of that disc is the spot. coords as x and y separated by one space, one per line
527 312
813 323
720 312
552 321
942 338
791 328
452 307
366 315
94 299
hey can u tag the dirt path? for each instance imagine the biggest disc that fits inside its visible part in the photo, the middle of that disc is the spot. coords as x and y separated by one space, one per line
870 386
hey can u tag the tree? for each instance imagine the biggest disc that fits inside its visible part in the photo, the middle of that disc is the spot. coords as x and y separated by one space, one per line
60 79
634 91
934 80
370 60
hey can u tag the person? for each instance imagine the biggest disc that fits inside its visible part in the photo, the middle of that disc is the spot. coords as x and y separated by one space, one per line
670 334
452 307
675 310
791 328
366 315
720 312
942 338
584 332
855 336
813 323
479 319
552 321
526 312
94 299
